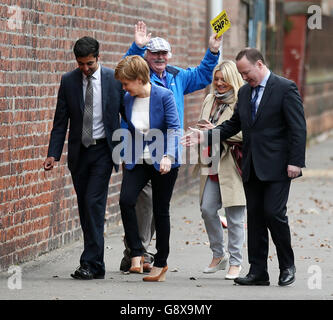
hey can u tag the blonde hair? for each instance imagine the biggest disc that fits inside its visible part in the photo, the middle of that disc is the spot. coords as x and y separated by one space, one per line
132 68
230 75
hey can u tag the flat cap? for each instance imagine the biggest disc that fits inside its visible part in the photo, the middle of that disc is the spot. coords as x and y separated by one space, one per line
158 44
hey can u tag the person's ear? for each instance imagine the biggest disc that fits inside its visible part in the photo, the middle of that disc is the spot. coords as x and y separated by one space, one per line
259 64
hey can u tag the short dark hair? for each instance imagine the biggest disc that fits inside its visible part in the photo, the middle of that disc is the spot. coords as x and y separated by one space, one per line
86 46
252 54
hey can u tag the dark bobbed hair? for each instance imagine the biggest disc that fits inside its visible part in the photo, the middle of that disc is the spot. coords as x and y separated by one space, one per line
86 46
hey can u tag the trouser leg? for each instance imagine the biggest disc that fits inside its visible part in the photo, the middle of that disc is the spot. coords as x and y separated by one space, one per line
236 233
91 182
210 204
275 208
133 182
266 209
162 186
257 240
146 224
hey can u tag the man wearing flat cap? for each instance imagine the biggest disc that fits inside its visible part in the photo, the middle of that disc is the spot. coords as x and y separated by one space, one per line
157 53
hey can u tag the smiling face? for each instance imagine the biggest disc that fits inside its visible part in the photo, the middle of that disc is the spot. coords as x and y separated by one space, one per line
133 87
252 73
219 84
157 61
88 65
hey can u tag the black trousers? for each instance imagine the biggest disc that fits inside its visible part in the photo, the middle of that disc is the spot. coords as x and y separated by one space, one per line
162 187
91 182
266 210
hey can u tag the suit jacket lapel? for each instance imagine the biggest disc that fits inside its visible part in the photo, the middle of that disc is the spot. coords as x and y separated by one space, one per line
151 106
128 109
267 92
248 104
104 84
78 88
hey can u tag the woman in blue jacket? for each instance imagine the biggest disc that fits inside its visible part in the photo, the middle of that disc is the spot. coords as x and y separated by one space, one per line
157 52
153 132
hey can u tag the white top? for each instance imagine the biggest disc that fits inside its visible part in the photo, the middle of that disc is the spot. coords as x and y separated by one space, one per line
98 126
140 119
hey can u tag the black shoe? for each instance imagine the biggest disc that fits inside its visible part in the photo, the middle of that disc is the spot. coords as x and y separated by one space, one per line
252 280
125 264
83 273
147 267
287 276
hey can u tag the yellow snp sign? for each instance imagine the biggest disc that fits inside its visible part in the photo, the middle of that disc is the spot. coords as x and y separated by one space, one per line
221 23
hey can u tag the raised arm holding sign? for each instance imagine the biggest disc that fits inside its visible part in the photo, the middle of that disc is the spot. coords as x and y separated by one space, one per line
220 24
157 52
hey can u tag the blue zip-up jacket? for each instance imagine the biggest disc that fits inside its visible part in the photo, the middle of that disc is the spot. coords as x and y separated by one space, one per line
183 81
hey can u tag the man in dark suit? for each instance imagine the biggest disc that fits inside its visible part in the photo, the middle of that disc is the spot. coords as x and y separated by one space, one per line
91 99
271 116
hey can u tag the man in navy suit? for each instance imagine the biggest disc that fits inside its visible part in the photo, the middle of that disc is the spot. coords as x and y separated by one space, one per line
91 99
271 116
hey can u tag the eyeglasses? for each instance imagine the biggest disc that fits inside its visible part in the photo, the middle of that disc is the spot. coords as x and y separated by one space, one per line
159 53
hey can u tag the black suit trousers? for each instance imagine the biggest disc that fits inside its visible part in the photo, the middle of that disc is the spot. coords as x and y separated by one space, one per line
162 187
91 181
266 210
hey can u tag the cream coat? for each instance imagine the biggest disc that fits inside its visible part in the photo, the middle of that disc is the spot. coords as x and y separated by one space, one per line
231 185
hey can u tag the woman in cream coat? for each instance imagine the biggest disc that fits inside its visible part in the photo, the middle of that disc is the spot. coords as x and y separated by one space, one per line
224 187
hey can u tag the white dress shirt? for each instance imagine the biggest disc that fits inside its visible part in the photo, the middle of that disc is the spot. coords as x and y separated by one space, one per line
98 126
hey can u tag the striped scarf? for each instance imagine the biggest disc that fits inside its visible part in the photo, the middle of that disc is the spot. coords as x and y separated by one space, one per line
221 102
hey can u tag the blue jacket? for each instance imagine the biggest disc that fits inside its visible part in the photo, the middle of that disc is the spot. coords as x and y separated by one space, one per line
162 116
183 81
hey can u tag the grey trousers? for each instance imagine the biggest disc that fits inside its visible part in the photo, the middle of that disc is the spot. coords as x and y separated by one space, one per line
210 205
145 218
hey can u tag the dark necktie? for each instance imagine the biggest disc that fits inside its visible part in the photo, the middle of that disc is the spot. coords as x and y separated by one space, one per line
253 102
87 127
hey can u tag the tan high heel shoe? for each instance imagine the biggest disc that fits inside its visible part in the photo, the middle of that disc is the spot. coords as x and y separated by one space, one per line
137 269
159 277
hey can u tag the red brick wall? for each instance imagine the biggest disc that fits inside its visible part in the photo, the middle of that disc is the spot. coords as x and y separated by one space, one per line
315 76
38 210
318 97
318 107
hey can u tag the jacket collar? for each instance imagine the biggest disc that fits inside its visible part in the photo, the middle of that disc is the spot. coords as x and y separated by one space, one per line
267 92
174 71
